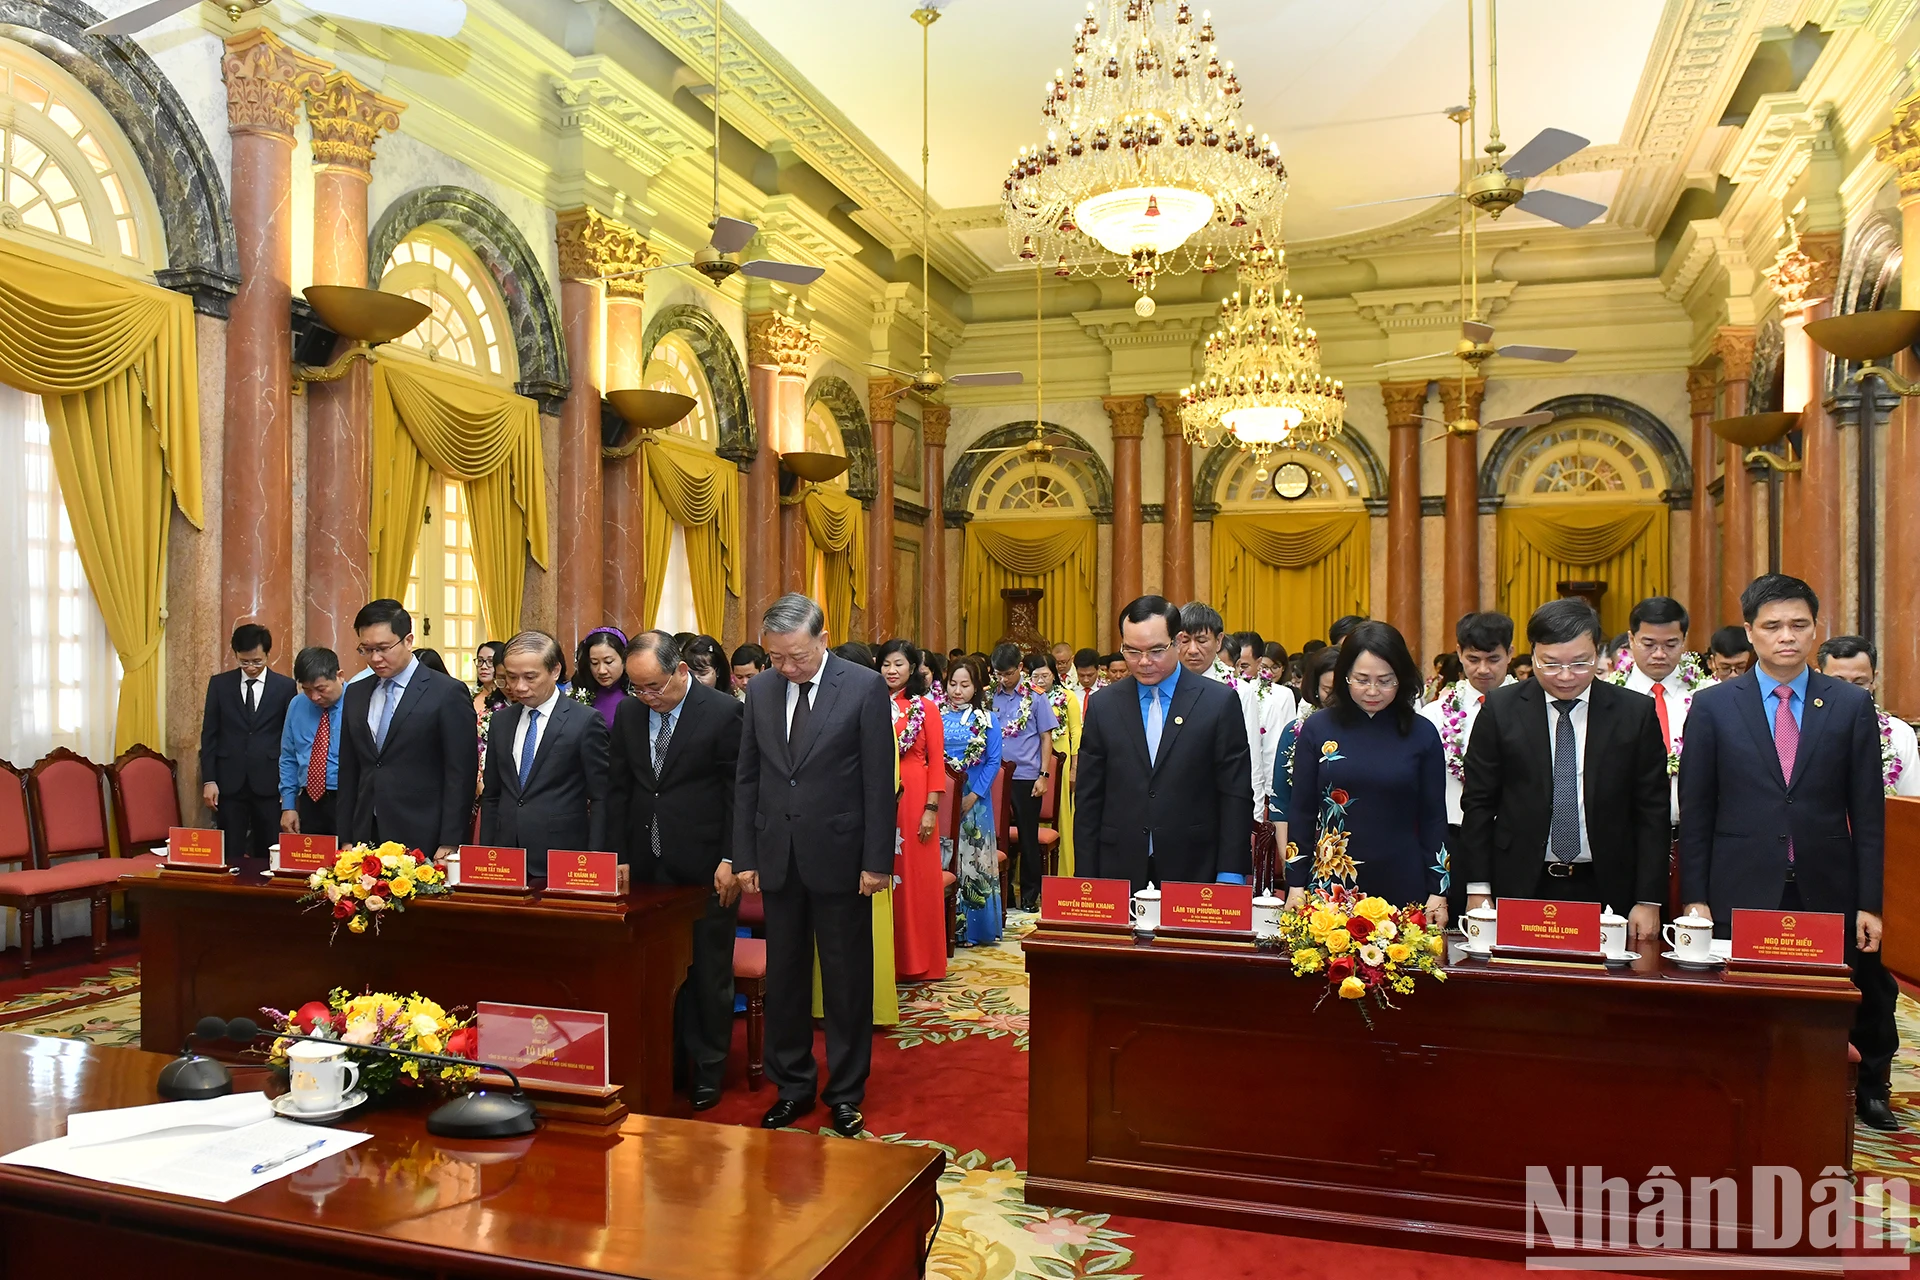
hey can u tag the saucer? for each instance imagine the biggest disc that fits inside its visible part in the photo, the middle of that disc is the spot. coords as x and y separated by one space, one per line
283 1106
1620 958
1470 949
1698 966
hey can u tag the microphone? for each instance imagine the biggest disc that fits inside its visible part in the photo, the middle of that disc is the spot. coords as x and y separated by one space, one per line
191 1077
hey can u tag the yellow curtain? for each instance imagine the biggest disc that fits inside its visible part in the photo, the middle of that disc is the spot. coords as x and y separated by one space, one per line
1289 575
485 438
115 364
1621 544
700 492
1058 556
837 528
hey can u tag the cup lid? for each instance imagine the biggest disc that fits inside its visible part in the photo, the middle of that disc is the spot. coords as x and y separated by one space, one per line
1484 910
311 1049
1692 919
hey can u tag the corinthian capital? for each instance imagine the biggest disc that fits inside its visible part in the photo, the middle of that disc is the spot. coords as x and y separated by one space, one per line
1128 415
1806 270
1899 146
347 117
781 340
265 82
1734 345
595 248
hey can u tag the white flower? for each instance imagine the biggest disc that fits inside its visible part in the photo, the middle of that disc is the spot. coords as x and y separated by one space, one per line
1373 955
315 880
333 892
361 1031
424 1025
376 903
367 883
1386 931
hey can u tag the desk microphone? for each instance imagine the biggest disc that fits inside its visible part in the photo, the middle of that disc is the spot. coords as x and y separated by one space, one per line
191 1077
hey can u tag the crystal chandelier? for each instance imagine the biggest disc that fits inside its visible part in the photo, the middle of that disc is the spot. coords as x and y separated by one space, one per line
1262 386
1147 166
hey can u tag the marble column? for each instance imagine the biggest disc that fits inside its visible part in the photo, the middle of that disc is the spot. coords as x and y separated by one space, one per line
1462 590
934 421
580 583
1128 415
760 505
346 118
1734 345
1176 521
1804 277
265 83
1405 402
1703 600
623 505
790 405
780 347
880 413
1900 610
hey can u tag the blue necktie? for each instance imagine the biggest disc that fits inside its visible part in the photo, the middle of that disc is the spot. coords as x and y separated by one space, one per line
1155 723
390 697
1563 832
527 746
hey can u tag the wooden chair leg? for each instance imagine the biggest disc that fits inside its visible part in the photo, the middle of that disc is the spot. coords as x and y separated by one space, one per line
100 918
952 904
46 925
26 939
756 1031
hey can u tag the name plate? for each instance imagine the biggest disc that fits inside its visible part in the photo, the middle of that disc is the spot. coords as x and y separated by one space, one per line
566 1048
484 866
302 855
1789 937
1529 924
193 849
584 871
1216 908
1071 900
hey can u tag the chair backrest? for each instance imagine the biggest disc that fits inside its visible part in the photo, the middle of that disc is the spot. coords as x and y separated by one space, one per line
16 834
69 805
947 821
998 801
1050 802
146 799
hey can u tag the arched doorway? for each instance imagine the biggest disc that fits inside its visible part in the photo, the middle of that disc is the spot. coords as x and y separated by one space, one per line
1031 523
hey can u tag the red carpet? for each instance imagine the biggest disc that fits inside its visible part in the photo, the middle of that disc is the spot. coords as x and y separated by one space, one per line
67 962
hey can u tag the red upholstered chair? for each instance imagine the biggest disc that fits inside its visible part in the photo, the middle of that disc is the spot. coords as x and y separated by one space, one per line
750 977
69 806
16 834
1049 807
947 823
146 798
753 914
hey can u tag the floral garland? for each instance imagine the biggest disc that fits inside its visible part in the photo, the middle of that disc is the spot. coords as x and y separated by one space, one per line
1262 681
1891 766
1018 721
976 749
1694 677
486 723
1453 731
1057 699
906 724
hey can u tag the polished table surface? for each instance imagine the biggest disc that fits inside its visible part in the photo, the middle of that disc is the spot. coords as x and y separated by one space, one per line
657 1197
1203 1085
229 944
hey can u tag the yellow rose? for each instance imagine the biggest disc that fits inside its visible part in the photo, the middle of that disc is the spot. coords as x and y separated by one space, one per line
427 1044
1322 922
358 924
361 891
1338 940
402 887
1437 945
428 874
1306 960
1352 989
346 866
1374 909
391 849
1398 952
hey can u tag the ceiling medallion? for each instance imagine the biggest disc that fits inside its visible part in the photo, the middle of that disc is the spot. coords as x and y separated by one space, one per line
1147 166
1262 386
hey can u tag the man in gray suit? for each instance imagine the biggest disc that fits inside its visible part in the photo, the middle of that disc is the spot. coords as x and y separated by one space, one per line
813 833
546 779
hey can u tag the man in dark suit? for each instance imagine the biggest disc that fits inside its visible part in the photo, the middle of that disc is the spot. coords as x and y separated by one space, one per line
546 781
1565 795
409 744
814 834
1782 808
676 746
1163 789
240 728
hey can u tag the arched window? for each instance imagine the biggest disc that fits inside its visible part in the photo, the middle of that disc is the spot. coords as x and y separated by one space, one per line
68 179
673 367
1018 484
443 592
467 324
1331 477
1570 459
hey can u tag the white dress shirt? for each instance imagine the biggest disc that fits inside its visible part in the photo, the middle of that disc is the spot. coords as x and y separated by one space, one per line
812 688
1678 700
1471 700
1265 718
1580 711
1904 747
520 743
376 705
250 692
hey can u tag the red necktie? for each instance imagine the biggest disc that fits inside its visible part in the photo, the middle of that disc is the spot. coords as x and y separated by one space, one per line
317 759
1786 741
1660 709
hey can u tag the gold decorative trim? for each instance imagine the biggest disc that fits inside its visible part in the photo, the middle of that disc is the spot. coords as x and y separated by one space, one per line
347 118
1703 390
265 82
1899 146
1806 270
934 421
593 247
1734 345
1451 400
778 339
1404 402
1128 415
881 402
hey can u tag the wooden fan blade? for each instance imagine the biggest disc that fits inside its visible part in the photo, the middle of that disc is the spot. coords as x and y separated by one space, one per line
1437 355
1539 417
1552 355
1003 378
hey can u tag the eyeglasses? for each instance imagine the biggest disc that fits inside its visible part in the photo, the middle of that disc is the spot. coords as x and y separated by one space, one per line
1154 654
1385 684
378 650
253 664
1562 668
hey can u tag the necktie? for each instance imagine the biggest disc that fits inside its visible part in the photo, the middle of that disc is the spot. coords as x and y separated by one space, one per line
1155 723
389 697
527 746
1660 710
317 758
660 741
1563 839
797 727
1786 741
252 687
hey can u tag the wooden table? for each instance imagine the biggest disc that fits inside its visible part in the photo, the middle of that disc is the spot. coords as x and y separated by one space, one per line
660 1198
1203 1086
228 945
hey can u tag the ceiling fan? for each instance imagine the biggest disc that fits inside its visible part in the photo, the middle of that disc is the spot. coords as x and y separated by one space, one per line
428 17
1044 444
929 381
716 260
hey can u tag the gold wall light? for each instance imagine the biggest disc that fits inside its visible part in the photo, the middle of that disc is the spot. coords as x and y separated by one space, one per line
647 412
365 317
1755 431
1867 337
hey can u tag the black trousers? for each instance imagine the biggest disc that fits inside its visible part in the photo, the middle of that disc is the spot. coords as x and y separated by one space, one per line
1456 879
1032 863
317 817
1874 1033
251 822
841 926
1581 886
703 1009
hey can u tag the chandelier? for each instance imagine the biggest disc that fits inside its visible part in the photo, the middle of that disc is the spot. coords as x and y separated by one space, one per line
1147 166
1262 386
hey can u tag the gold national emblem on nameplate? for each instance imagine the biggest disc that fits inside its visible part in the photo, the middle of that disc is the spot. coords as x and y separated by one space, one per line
1786 923
493 855
1086 888
1206 894
1550 910
580 859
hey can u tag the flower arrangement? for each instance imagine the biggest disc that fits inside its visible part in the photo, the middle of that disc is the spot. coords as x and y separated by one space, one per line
1368 949
1891 766
412 1022
907 722
365 884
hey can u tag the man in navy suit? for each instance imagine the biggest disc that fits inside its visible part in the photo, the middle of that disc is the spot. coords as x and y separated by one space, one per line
1782 808
240 727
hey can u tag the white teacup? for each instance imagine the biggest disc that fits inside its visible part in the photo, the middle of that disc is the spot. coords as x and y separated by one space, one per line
1690 937
1266 916
319 1077
1613 932
1479 925
1145 910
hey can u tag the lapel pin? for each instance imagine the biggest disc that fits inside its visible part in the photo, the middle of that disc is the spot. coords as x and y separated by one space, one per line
1818 703
1179 720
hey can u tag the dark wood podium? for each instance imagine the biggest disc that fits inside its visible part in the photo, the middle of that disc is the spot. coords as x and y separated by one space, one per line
228 945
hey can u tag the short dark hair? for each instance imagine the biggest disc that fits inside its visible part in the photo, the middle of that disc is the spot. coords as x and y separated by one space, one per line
1447 667
977 672
538 642
935 664
1660 611
251 635
1730 642
1314 645
1848 647
704 653
916 683
1387 644
1521 660
317 663
1485 632
1195 616
852 651
1086 658
1275 652
751 655
1315 665
661 644
1772 588
1343 627
1563 622
430 659
1034 661
583 670
384 612
1108 659
1006 656
1146 608
1245 639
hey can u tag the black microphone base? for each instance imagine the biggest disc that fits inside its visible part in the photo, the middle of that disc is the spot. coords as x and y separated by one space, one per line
483 1115
192 1078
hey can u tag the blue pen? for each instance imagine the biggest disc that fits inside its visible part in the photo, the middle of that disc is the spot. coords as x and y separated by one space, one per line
277 1161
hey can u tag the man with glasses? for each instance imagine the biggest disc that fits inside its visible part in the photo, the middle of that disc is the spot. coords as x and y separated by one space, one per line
240 728
1855 660
546 780
409 756
1566 783
1163 789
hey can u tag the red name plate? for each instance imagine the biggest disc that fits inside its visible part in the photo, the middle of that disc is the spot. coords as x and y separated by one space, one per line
1071 900
483 866
566 1047
1207 906
1790 937
581 871
306 853
1549 926
192 847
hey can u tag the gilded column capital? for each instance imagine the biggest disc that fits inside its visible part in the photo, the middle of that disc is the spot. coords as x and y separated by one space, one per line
597 248
1461 399
265 82
934 421
1703 389
1169 403
1806 270
1899 146
1734 345
1404 401
777 339
347 118
1128 415
882 396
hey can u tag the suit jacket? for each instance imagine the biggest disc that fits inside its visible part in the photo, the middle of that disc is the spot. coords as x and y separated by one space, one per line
421 784
1737 812
1506 801
241 751
1195 801
825 808
564 804
692 794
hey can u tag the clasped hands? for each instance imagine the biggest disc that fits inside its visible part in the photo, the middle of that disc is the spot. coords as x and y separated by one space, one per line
1866 925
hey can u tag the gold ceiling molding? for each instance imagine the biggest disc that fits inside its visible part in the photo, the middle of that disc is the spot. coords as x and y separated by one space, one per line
776 339
1806 269
592 247
347 118
1428 307
265 82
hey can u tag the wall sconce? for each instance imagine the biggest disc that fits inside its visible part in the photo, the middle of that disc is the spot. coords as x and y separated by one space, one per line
1757 430
1868 336
799 468
646 412
365 317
